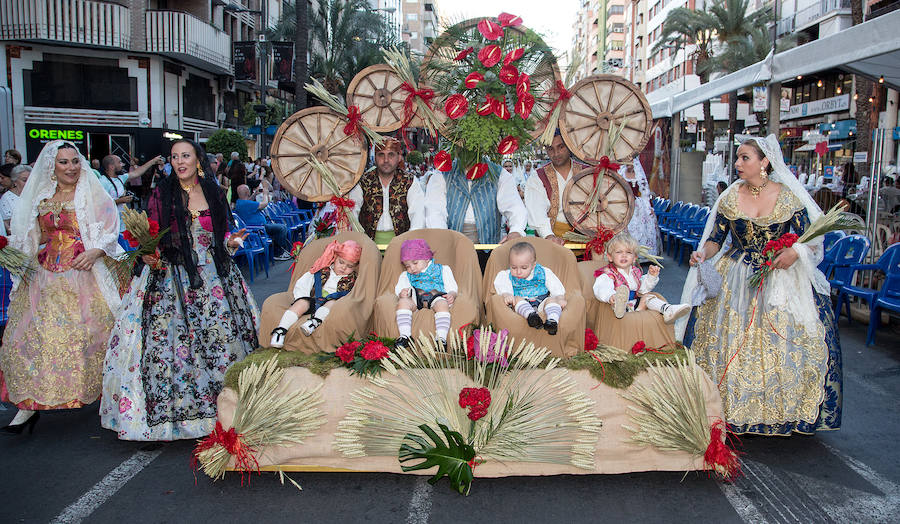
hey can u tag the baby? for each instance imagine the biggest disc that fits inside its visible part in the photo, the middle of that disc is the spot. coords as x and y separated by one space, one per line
530 288
621 284
329 278
424 284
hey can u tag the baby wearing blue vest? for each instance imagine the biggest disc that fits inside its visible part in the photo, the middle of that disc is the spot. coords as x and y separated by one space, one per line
424 284
529 288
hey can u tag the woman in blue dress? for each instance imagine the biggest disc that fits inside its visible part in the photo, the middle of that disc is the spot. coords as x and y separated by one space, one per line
773 350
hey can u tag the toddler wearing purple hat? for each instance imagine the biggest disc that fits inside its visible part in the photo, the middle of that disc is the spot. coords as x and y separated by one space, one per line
424 284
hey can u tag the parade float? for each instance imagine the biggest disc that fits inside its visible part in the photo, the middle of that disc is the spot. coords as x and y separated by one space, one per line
491 403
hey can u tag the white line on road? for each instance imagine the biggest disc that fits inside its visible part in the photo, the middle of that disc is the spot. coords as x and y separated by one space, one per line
745 509
420 503
106 488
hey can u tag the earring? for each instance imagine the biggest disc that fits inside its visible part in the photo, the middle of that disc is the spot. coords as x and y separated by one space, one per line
763 173
53 177
199 170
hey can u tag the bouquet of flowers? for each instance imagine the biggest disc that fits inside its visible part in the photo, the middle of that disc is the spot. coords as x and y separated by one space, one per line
365 357
836 219
485 75
14 260
141 233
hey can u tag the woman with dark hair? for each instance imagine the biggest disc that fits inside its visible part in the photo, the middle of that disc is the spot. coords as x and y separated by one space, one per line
187 317
773 349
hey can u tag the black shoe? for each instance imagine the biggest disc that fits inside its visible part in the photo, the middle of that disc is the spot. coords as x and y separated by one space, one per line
402 342
17 429
551 326
534 320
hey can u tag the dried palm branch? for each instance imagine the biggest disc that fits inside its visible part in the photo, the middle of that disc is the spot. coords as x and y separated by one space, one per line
399 62
574 63
343 207
319 91
836 219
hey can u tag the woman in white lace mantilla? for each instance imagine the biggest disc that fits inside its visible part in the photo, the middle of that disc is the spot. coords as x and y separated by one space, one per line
643 226
773 350
61 316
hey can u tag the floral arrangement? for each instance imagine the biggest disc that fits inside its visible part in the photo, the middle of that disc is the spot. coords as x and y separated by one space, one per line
295 254
324 227
769 252
14 260
525 411
484 74
141 233
266 415
367 357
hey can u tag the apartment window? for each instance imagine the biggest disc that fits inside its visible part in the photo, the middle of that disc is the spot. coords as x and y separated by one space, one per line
79 82
617 28
414 35
412 17
199 99
615 10
617 45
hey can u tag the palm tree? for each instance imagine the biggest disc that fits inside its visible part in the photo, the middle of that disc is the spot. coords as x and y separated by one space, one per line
863 90
682 27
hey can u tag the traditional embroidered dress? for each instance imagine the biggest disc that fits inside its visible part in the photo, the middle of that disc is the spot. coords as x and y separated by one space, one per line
59 322
642 226
391 214
170 349
784 373
539 285
543 198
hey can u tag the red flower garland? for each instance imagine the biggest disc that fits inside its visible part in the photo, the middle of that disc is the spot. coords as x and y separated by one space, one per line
508 20
477 171
489 56
442 161
473 79
374 350
456 106
477 400
508 145
513 55
490 30
509 75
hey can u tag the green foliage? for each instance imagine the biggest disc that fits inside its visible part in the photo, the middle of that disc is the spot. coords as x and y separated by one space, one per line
275 113
415 158
225 141
621 374
317 363
451 458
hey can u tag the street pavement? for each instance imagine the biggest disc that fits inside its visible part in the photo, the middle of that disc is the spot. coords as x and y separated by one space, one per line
72 470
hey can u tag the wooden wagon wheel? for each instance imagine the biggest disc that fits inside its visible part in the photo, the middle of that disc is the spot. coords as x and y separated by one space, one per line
376 91
316 131
613 211
543 69
598 104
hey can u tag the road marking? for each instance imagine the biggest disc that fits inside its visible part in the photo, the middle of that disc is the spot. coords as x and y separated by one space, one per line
420 503
106 488
745 509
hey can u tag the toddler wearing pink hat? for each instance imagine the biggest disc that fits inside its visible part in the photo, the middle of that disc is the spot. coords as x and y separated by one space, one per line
424 284
330 277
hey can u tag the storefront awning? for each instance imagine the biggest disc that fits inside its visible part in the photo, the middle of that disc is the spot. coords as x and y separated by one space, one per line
871 49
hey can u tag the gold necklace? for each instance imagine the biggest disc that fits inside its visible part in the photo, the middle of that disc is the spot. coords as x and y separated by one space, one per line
187 187
59 189
754 190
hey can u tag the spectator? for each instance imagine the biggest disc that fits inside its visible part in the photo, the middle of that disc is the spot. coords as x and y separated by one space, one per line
12 157
214 163
113 180
250 212
721 185
95 165
8 201
5 181
890 195
237 174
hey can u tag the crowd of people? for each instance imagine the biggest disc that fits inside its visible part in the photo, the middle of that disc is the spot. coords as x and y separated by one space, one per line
156 352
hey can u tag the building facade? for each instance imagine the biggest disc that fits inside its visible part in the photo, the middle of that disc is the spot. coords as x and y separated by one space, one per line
420 19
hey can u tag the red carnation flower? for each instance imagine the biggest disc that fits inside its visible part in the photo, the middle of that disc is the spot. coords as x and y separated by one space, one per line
524 105
486 107
374 350
347 352
132 241
788 239
456 106
477 399
638 347
489 56
470 347
490 30
523 84
3 242
772 246
473 79
477 171
153 226
508 20
501 110
464 53
513 55
590 340
508 145
509 74
442 161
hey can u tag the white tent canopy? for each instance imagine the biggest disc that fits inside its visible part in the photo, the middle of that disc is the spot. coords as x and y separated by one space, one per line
871 49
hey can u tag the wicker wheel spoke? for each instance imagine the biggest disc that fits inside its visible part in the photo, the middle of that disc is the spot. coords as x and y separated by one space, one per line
596 92
289 155
611 202
586 126
378 118
296 168
297 143
394 113
331 133
583 99
342 165
622 102
368 79
609 99
387 79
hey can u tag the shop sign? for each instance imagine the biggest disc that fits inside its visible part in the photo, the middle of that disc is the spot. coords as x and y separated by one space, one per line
283 54
38 135
818 107
244 59
760 99
860 157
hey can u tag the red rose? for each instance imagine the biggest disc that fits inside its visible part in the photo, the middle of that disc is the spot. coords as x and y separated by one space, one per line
477 399
490 30
523 84
476 413
456 106
477 171
3 242
524 105
788 239
590 340
296 248
486 107
464 53
501 110
473 79
470 347
489 56
772 246
153 226
513 55
347 352
638 347
133 242
508 145
374 350
509 74
508 20
443 162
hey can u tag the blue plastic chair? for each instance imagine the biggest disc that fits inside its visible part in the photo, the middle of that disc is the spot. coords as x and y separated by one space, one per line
888 298
888 264
689 239
851 252
831 239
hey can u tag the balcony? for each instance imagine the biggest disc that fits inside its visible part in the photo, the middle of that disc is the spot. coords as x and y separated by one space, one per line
189 39
76 22
812 15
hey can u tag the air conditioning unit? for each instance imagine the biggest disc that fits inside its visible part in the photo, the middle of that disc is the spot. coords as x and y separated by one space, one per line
226 83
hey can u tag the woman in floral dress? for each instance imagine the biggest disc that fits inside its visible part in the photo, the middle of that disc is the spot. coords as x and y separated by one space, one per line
188 316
